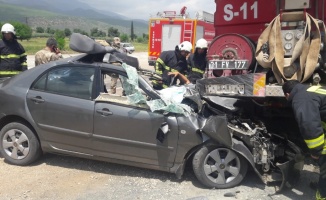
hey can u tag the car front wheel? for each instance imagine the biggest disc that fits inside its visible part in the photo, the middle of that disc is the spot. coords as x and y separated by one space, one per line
219 167
18 144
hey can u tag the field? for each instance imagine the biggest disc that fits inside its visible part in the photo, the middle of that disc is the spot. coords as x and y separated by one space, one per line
35 44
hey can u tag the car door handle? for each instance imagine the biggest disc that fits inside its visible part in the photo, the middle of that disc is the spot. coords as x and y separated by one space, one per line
37 99
105 112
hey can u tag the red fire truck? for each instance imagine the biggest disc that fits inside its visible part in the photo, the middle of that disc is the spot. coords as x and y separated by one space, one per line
170 28
233 52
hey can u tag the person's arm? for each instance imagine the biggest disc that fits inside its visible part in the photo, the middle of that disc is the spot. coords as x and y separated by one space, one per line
57 54
180 76
23 58
159 66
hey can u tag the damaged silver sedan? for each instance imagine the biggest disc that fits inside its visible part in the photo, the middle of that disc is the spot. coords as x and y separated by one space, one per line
64 107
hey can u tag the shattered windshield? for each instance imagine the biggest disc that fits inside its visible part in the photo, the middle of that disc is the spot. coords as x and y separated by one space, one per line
170 101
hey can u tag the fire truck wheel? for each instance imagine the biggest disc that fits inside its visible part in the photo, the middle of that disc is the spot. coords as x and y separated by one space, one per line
219 167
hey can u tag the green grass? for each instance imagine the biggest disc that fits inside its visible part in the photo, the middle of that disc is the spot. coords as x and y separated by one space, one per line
140 47
35 44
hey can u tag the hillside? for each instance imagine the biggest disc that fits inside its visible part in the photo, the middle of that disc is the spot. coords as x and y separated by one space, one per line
84 19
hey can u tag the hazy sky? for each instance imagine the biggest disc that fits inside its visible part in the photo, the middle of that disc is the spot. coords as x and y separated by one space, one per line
145 8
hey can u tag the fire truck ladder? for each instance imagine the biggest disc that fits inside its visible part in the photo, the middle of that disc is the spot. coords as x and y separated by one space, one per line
187 30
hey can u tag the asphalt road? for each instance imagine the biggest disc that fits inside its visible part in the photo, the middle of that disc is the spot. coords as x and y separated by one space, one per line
61 177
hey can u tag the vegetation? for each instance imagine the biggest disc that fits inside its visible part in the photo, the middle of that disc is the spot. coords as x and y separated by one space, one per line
54 20
95 32
37 43
60 37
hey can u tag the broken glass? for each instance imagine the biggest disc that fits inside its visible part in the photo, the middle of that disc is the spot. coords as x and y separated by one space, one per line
170 101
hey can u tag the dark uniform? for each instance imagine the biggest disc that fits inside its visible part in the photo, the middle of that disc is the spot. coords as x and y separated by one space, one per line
309 106
197 65
12 58
169 61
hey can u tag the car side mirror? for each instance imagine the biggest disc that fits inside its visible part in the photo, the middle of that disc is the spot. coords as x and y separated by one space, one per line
162 131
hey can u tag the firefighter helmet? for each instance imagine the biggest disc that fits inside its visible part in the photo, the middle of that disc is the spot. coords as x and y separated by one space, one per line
201 43
185 46
8 28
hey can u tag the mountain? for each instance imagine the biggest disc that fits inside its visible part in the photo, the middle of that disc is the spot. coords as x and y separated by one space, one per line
66 14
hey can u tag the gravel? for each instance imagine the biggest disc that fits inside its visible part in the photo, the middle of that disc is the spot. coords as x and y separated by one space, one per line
63 177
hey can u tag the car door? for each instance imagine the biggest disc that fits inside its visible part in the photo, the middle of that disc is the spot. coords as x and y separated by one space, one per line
60 103
128 132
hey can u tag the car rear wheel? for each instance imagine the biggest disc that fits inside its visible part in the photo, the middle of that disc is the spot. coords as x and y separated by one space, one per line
219 167
18 144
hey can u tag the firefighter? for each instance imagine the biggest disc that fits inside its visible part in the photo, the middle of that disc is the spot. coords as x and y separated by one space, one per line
309 107
12 54
197 61
171 64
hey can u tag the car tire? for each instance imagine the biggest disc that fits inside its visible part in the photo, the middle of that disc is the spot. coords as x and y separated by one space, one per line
18 144
213 170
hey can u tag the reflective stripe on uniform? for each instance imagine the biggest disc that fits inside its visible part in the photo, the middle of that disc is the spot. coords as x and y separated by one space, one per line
198 70
12 56
317 89
313 143
9 72
319 197
159 72
159 60
159 84
324 149
24 63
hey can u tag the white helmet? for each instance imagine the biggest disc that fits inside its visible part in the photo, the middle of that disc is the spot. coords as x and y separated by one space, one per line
185 46
8 28
202 44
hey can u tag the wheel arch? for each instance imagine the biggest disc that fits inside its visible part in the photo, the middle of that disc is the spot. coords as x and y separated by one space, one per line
181 167
14 118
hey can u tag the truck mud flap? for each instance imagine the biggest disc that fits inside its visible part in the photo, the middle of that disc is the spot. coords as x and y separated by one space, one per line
290 171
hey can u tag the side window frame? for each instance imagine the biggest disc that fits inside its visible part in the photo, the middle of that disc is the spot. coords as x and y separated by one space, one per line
65 82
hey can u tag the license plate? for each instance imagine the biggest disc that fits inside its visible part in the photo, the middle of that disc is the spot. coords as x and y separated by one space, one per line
225 89
228 64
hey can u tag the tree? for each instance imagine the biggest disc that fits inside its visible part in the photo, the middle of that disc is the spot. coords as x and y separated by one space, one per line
95 32
59 35
113 32
77 30
124 37
50 30
39 30
67 32
132 31
23 31
145 36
